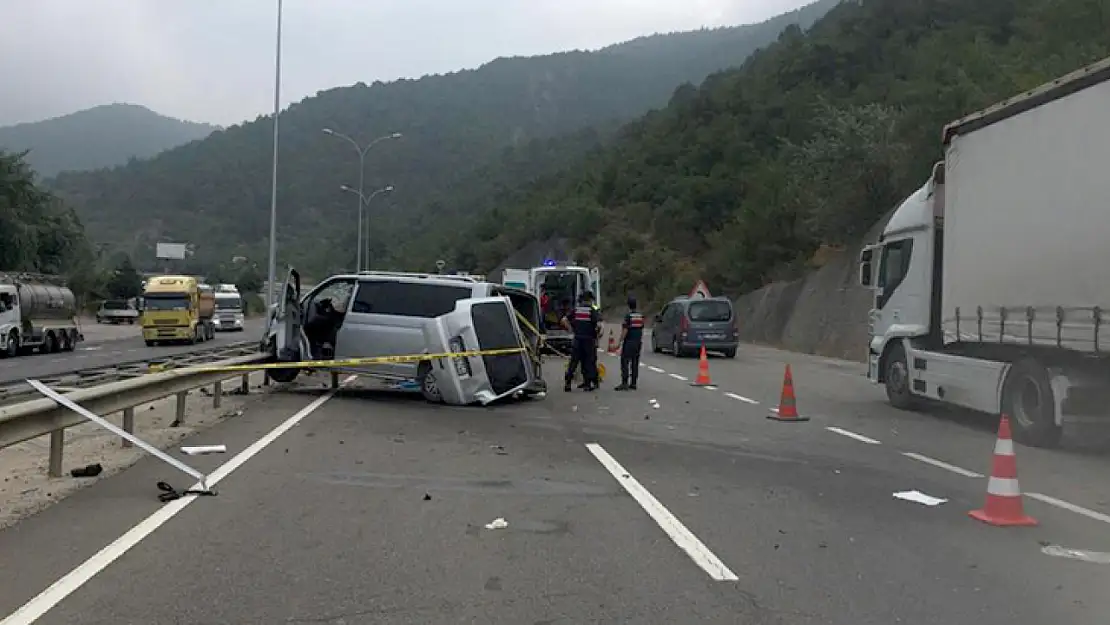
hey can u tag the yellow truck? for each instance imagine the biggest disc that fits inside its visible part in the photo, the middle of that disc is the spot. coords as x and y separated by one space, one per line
178 309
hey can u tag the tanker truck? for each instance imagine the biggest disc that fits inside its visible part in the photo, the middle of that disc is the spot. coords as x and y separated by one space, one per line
36 312
992 280
177 309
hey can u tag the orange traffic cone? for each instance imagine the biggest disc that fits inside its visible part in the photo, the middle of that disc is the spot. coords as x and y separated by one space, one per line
1004 506
788 409
612 342
703 370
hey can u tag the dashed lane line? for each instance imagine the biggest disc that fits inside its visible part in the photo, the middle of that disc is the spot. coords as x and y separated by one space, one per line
942 465
859 437
1070 507
748 400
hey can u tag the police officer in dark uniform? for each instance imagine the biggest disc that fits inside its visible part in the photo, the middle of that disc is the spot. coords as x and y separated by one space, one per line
632 335
585 322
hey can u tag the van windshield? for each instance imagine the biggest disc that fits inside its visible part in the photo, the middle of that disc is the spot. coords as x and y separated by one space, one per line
710 311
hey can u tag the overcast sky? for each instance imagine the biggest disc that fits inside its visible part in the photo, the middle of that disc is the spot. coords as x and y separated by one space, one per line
213 60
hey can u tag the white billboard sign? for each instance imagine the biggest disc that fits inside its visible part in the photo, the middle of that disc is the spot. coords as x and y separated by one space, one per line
170 251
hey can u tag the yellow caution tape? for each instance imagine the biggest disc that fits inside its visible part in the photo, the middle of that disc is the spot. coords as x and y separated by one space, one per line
351 362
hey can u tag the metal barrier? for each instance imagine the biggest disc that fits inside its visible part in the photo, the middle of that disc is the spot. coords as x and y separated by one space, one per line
12 392
38 417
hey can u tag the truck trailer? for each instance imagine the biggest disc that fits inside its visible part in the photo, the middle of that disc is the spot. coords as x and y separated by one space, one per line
992 280
178 309
37 312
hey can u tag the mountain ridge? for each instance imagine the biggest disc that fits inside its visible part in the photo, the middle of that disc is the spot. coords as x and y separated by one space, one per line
99 137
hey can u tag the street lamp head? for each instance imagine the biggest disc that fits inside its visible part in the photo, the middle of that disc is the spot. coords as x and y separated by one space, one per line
395 135
344 187
388 189
328 131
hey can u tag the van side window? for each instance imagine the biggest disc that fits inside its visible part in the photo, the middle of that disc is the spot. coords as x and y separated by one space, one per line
407 299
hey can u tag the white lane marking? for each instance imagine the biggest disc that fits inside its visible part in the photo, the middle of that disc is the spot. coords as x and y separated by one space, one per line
710 387
642 364
1094 557
46 600
656 369
942 465
742 398
679 377
684 538
1060 503
859 437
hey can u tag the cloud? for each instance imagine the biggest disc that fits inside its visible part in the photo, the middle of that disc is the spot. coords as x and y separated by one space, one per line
213 60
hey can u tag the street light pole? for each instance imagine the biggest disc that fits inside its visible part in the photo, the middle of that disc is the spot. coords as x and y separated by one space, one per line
364 201
362 151
274 173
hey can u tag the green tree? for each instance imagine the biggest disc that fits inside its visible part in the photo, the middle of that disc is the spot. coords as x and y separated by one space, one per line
125 282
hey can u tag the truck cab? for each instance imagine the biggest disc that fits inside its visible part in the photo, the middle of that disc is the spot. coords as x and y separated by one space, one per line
174 310
899 269
229 315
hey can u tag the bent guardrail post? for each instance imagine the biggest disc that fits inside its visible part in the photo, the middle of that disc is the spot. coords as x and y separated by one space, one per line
38 417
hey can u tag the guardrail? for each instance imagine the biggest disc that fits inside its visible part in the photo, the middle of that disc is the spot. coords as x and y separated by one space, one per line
17 391
38 417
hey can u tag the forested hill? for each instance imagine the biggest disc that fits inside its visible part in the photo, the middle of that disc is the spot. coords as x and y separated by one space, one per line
741 180
215 193
103 136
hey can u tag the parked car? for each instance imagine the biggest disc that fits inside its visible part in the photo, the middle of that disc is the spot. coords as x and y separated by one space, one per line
398 314
117 311
686 324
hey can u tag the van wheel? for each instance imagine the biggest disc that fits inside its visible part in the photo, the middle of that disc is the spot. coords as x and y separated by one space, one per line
676 349
283 376
1028 400
429 386
730 353
897 379
655 345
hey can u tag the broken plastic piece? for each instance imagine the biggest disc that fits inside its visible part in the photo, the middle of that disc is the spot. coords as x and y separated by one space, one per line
198 450
497 524
917 496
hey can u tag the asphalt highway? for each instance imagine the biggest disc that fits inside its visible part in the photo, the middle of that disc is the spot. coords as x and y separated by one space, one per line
106 345
367 507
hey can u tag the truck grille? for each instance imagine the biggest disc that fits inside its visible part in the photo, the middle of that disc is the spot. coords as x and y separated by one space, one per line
165 322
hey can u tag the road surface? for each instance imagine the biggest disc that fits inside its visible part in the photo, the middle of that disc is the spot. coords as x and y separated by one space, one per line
372 508
109 344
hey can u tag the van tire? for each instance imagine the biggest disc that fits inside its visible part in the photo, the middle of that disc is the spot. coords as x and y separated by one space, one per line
429 386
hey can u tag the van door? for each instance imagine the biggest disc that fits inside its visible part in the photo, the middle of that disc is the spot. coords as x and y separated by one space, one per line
517 278
285 325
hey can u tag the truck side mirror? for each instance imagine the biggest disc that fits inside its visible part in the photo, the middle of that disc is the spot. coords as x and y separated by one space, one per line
865 256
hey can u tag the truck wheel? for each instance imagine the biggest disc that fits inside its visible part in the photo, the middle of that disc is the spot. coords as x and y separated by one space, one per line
49 344
896 376
1028 400
130 322
429 386
13 345
150 343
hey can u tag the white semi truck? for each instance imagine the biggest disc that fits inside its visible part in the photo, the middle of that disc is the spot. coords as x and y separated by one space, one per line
36 313
992 281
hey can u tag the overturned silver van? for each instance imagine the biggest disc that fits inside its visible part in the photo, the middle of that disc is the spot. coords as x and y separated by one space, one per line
372 314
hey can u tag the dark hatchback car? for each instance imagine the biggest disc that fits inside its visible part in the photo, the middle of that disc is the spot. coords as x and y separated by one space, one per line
685 324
